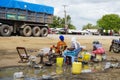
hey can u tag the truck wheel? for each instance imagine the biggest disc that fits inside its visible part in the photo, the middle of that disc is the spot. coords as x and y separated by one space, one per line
27 31
5 30
44 32
36 31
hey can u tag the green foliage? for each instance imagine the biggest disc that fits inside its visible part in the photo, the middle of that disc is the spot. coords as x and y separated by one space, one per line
90 26
60 22
109 21
71 26
57 21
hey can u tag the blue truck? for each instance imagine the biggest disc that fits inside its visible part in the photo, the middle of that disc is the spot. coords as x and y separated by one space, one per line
24 19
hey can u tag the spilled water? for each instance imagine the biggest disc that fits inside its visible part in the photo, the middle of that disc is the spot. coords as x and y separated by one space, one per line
51 72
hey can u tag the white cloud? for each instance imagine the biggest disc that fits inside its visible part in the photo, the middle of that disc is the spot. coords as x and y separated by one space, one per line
82 11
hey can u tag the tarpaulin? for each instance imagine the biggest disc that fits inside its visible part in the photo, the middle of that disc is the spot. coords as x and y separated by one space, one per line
27 6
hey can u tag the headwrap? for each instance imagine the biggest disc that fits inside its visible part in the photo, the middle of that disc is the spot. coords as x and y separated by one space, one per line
73 39
75 43
61 37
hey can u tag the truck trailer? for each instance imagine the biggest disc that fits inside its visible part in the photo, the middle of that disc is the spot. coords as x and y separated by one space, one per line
24 19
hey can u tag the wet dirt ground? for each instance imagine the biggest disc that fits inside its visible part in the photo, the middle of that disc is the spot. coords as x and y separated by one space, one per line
9 55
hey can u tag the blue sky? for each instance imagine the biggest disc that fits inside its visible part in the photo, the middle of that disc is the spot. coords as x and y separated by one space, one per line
82 12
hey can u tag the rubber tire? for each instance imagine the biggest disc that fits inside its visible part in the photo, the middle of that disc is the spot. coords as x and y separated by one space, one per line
3 33
36 31
116 48
27 31
44 32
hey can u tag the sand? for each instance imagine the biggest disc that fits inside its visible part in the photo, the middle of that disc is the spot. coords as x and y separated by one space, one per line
9 55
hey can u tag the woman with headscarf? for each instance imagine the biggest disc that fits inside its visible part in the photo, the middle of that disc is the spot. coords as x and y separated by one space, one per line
74 49
60 44
72 53
48 51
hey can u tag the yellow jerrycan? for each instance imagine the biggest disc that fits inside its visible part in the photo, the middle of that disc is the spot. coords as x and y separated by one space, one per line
59 61
86 57
76 67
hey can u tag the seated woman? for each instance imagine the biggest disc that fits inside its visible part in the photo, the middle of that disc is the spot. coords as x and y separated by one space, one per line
74 50
61 45
48 51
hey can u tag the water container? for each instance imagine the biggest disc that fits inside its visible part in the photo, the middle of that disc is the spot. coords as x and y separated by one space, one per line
85 67
82 53
99 57
76 67
59 61
86 57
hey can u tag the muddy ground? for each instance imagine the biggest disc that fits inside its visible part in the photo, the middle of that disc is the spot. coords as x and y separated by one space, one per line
9 55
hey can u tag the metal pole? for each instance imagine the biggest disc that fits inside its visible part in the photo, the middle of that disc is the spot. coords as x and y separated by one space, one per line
65 26
65 14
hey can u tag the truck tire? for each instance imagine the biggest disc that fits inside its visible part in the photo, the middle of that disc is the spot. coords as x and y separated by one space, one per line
44 32
5 30
36 31
27 31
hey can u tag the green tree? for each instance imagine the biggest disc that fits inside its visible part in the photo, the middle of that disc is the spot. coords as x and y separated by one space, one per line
109 21
69 22
90 26
60 22
71 26
56 22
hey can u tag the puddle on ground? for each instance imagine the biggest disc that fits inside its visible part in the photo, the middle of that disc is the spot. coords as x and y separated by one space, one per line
52 72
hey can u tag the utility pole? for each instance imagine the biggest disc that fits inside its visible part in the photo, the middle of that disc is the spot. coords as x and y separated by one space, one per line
65 14
66 25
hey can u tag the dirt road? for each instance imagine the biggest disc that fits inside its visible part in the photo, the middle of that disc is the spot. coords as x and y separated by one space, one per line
9 56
